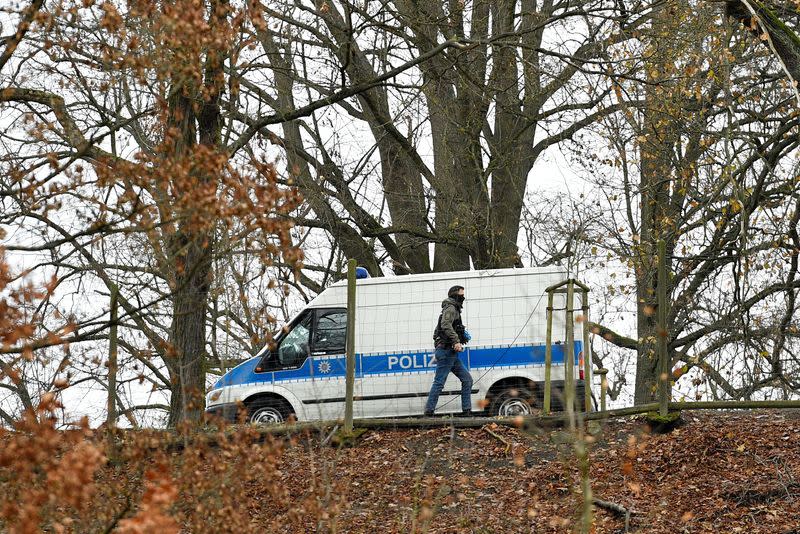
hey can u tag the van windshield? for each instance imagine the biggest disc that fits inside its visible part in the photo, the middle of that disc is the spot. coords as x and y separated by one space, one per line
294 347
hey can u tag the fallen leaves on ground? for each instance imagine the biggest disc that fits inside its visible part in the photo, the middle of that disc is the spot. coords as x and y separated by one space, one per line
719 472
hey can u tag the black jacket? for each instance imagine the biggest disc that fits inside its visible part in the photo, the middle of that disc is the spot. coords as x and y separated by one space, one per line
449 329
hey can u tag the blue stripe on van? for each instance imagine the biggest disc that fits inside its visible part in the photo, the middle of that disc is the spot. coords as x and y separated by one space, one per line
390 363
241 374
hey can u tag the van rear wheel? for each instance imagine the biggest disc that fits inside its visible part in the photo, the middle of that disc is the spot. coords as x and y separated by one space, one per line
512 402
268 412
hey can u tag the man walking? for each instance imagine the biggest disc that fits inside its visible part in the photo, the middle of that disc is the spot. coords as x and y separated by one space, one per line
449 339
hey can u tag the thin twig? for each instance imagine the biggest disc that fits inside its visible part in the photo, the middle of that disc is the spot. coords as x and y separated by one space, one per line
117 517
327 439
616 508
498 436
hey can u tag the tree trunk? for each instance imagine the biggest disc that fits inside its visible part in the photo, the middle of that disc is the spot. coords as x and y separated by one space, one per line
191 247
513 139
453 213
188 328
402 182
657 141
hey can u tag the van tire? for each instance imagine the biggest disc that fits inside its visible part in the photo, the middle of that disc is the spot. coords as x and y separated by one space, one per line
268 411
512 402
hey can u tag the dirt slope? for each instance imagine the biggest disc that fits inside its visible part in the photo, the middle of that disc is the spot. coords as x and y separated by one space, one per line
735 472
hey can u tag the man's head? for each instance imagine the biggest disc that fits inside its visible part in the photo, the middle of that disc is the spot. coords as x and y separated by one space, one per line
456 293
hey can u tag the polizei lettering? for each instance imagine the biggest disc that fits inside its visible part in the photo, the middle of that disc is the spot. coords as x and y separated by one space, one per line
412 361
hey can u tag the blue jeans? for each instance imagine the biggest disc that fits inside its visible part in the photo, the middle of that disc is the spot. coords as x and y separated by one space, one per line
447 361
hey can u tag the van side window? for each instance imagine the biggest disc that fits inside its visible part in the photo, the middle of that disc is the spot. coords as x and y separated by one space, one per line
294 348
330 331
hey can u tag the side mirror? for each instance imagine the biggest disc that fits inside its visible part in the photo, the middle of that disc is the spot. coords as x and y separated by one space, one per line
265 359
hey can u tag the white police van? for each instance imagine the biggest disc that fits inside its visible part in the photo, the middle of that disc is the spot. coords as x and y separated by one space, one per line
304 375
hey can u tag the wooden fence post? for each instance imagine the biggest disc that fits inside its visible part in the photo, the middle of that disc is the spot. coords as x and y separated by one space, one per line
350 348
569 355
548 353
603 387
587 353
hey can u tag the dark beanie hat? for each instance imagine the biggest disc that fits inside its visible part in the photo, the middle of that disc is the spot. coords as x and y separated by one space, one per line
453 291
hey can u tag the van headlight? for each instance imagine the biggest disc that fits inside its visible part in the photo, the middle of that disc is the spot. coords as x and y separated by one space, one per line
215 395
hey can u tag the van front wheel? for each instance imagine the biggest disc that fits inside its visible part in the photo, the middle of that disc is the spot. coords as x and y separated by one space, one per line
512 402
267 412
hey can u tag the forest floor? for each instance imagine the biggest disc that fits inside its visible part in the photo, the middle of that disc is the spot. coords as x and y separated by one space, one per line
721 472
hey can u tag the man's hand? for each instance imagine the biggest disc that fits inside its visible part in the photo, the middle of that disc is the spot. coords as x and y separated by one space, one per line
458 347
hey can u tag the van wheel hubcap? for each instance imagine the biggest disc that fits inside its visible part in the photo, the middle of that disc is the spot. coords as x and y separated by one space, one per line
267 415
513 407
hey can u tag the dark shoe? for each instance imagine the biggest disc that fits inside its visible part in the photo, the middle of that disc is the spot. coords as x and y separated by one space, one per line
465 413
427 414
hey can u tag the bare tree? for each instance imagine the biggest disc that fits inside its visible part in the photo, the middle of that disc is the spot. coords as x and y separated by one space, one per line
140 104
702 164
456 175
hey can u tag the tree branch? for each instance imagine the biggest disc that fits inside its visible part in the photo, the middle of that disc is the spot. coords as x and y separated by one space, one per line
281 117
612 337
24 25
